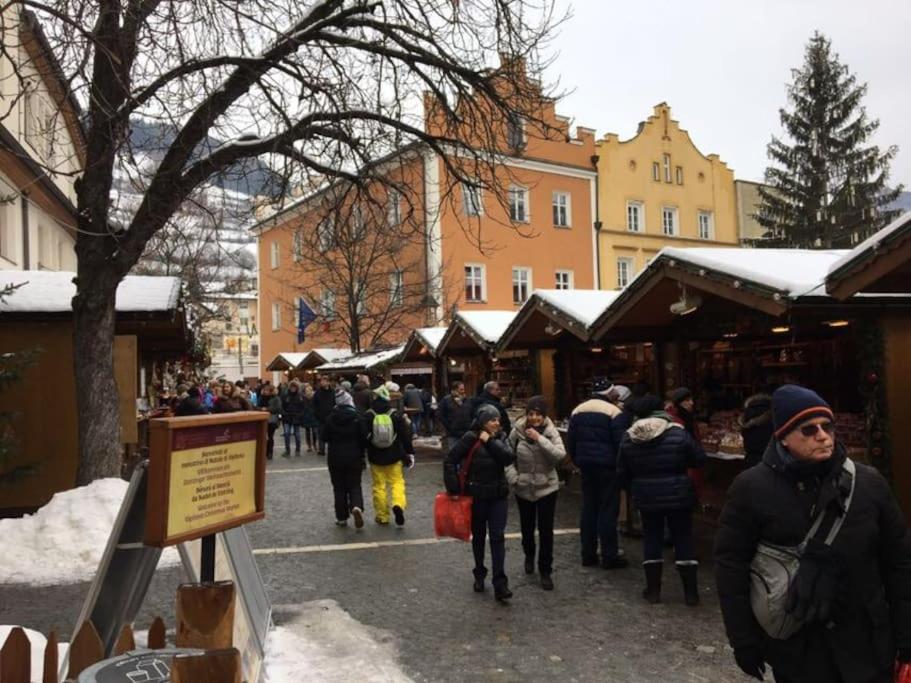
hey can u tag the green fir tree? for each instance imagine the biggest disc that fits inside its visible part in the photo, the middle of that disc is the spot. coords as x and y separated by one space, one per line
827 187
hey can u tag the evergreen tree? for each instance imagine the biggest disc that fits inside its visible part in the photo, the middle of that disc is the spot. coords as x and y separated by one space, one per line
827 188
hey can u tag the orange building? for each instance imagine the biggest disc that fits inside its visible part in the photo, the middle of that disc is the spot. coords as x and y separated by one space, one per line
472 242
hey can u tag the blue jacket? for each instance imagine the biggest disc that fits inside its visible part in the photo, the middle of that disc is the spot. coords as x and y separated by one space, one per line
594 434
654 458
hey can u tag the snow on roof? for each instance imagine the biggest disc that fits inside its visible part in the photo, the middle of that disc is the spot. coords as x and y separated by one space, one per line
239 296
871 244
488 325
292 358
431 336
362 360
53 292
793 272
582 305
330 354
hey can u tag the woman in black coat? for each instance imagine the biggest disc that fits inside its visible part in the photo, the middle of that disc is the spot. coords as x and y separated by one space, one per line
486 482
655 454
345 437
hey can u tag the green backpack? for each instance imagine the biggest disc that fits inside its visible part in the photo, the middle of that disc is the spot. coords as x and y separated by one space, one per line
383 429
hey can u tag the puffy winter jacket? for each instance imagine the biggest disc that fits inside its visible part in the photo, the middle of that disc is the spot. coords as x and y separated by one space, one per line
871 619
343 433
455 416
323 403
655 455
534 473
486 478
403 436
485 398
594 436
293 408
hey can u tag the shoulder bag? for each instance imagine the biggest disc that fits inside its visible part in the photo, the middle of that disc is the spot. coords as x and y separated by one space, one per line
452 514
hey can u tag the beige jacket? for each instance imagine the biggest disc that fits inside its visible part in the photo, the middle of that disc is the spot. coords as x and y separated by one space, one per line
534 474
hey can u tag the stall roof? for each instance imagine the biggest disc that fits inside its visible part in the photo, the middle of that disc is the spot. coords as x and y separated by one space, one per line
363 361
53 292
428 338
327 354
880 263
483 327
286 361
575 310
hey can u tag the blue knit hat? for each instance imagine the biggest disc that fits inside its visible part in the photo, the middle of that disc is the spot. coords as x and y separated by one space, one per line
792 405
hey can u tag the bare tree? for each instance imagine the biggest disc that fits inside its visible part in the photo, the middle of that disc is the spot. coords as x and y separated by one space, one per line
324 85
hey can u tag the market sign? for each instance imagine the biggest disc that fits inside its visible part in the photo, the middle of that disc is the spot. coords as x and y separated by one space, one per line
206 474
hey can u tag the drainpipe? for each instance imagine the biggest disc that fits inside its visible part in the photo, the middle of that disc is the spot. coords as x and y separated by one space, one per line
594 159
26 246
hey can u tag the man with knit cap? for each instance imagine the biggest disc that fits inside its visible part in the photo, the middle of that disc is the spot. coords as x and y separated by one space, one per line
853 596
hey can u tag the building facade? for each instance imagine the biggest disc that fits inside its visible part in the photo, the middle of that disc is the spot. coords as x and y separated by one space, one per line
655 190
41 151
748 201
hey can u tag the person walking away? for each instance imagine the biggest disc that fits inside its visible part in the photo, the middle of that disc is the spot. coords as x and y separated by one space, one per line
756 427
323 403
362 394
191 404
292 417
539 450
389 447
309 423
427 416
593 439
486 483
346 442
414 406
455 415
271 403
655 456
851 593
491 395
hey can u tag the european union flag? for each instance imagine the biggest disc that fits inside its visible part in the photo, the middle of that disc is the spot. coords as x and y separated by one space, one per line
305 317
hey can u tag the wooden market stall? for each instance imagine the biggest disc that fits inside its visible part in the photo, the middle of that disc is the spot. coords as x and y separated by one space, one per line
420 364
377 364
469 350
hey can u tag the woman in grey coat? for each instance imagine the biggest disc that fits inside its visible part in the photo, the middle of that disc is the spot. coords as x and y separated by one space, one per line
539 449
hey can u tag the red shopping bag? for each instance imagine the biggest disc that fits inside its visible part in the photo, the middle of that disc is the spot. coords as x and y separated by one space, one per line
452 514
902 673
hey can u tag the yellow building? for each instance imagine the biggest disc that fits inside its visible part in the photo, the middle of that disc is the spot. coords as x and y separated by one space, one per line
655 190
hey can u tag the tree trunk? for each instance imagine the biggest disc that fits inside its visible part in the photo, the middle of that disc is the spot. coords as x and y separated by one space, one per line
97 403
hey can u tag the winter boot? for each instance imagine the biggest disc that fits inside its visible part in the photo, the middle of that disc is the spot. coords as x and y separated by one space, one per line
501 592
399 515
529 564
547 583
690 587
479 575
652 592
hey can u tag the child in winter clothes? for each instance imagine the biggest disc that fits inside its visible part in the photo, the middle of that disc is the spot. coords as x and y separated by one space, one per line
389 447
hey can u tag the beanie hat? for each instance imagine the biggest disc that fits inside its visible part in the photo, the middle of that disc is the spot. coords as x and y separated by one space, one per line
346 385
381 392
680 394
343 398
486 413
392 386
621 393
601 385
793 404
537 404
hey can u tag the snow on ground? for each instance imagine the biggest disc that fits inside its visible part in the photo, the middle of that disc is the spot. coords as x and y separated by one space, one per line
322 642
428 442
63 542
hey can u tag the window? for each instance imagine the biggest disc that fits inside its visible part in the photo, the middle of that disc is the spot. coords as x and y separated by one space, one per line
669 221
521 284
705 225
254 349
297 246
635 216
471 195
474 283
273 251
515 131
327 304
656 171
394 209
360 296
561 209
325 234
679 174
624 271
396 288
229 326
47 248
276 316
40 124
359 226
563 279
667 168
518 204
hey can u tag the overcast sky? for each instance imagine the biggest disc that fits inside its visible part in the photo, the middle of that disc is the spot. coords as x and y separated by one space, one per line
722 66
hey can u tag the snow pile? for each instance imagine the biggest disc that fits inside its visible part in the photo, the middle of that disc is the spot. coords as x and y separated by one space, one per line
53 292
63 542
428 442
583 305
431 337
488 325
324 643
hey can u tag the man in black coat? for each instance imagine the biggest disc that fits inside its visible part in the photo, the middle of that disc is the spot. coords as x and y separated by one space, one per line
323 403
490 396
856 592
756 427
455 415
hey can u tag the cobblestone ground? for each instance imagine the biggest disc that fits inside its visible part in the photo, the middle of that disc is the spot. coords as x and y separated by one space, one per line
416 593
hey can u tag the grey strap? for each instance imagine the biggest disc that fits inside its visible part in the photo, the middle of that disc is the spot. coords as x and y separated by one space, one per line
840 519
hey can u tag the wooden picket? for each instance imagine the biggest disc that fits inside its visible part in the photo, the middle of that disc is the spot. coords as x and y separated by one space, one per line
16 658
51 659
157 635
85 650
205 615
125 641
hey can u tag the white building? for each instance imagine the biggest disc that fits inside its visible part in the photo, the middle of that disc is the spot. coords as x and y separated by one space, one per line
233 336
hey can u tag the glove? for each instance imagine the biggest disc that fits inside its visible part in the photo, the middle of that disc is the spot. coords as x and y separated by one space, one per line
750 661
904 655
814 588
409 460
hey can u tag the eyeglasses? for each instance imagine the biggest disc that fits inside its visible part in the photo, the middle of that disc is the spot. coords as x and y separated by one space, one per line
811 430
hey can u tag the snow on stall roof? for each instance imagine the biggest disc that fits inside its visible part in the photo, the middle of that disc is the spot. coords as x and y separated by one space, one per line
871 243
431 336
362 360
794 272
583 305
53 292
292 358
488 325
331 354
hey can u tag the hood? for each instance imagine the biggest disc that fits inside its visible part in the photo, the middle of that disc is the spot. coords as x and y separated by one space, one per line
489 398
649 429
380 405
343 415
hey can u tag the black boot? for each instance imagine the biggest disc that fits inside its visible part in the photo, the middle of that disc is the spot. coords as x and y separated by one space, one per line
479 575
501 592
652 592
690 586
547 583
529 564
